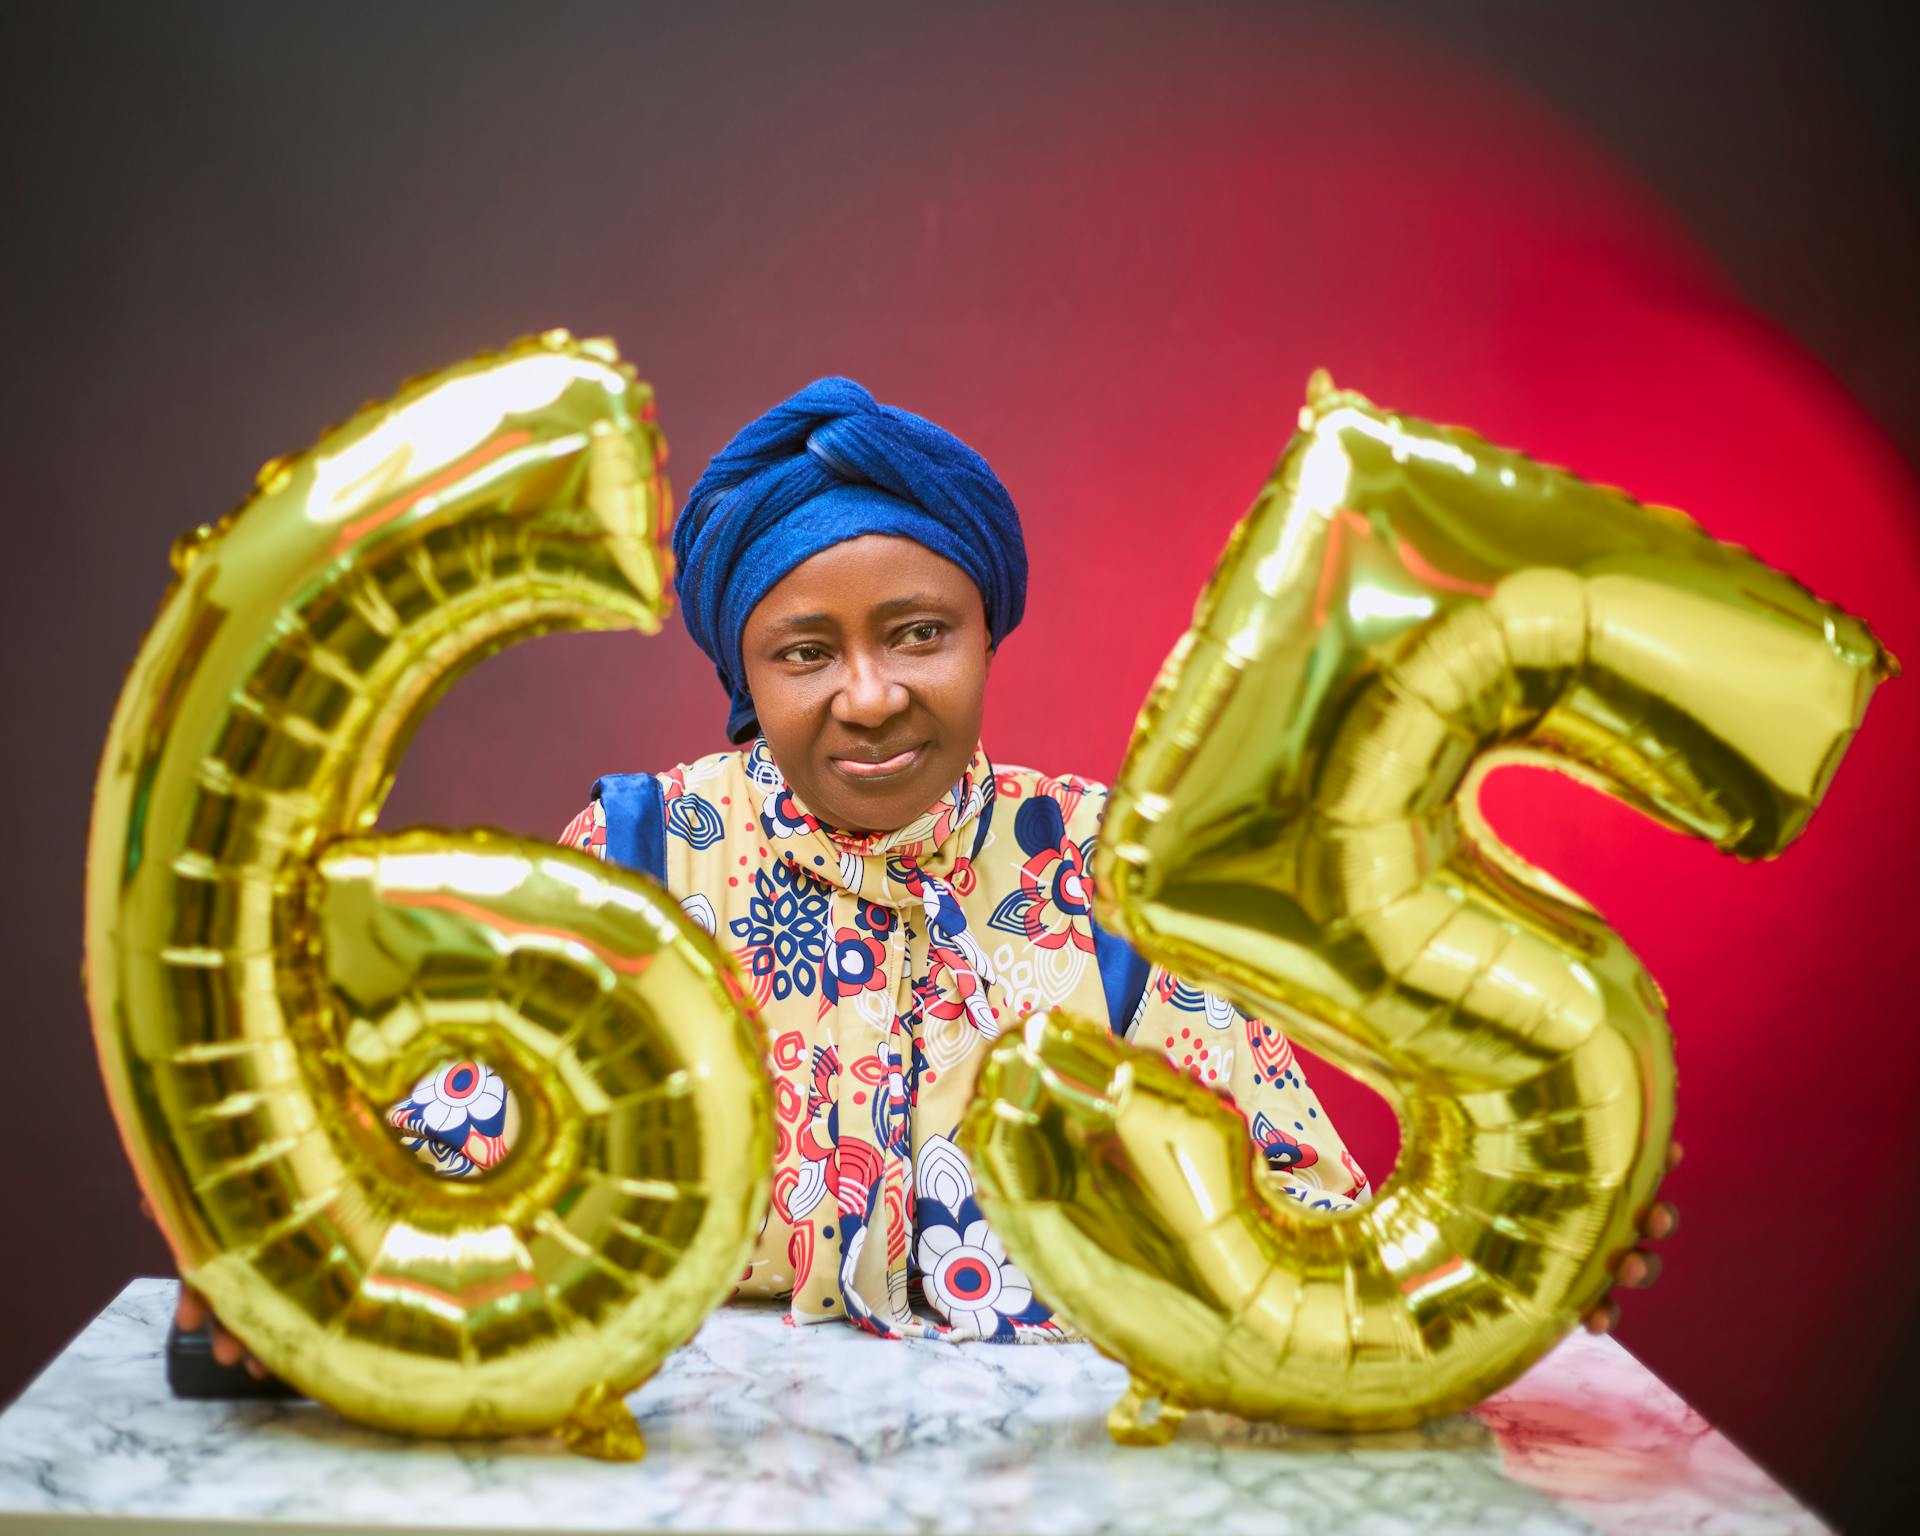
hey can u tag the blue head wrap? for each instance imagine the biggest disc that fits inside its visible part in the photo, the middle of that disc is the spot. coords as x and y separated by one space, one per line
825 466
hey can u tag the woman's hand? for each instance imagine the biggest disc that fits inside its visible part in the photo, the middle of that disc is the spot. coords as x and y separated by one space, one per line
1640 1268
193 1311
227 1350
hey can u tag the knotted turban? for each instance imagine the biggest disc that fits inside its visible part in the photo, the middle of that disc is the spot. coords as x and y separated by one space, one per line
828 465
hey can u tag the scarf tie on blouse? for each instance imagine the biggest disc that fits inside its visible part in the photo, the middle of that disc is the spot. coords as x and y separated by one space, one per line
906 992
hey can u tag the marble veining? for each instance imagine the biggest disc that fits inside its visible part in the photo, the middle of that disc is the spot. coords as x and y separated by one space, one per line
756 1427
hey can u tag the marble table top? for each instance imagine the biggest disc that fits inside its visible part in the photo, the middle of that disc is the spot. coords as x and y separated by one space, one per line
757 1427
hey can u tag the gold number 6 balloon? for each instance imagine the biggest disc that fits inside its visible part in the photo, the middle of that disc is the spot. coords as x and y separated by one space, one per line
265 977
1405 607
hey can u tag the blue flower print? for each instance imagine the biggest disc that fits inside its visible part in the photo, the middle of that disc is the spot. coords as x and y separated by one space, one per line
877 920
1052 906
784 934
966 1275
855 963
1284 1152
781 816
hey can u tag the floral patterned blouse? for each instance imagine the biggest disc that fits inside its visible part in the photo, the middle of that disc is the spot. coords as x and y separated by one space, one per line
883 969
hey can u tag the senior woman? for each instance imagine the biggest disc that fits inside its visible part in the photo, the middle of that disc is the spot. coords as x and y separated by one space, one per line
895 898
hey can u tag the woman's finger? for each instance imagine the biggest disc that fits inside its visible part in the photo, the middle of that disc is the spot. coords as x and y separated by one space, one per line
227 1349
193 1311
1662 1221
1637 1270
1603 1317
1674 1153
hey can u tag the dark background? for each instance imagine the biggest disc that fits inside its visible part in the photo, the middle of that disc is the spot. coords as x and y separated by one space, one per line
1673 246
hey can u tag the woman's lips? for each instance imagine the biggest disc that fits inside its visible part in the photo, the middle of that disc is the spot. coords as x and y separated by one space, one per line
867 770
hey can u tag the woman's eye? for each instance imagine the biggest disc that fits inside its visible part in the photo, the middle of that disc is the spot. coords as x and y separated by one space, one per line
803 655
922 634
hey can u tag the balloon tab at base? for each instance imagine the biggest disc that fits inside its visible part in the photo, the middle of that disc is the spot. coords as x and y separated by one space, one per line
603 1427
1143 1416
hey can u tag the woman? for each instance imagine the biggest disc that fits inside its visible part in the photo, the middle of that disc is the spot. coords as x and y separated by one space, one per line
896 899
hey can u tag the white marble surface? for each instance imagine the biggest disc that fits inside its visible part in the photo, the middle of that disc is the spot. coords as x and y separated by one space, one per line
757 1427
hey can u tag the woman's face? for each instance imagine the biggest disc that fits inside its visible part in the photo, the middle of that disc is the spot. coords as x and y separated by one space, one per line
868 670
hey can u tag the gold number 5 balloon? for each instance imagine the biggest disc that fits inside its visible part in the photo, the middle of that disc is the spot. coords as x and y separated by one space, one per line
265 978
1405 607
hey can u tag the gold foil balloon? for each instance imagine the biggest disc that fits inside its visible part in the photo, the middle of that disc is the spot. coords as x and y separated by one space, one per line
265 977
1405 607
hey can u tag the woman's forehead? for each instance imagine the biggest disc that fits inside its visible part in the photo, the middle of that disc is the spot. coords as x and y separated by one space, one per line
864 576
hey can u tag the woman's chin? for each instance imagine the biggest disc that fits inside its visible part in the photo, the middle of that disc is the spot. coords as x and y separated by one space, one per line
870 815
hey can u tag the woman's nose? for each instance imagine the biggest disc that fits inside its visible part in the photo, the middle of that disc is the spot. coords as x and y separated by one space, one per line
868 696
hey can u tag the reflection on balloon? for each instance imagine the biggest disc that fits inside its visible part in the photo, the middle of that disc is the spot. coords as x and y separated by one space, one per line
265 977
1296 824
